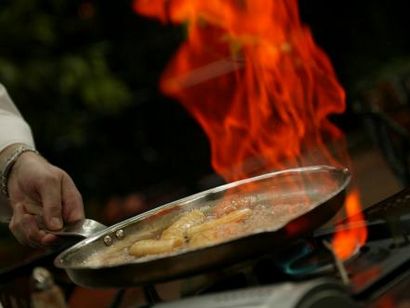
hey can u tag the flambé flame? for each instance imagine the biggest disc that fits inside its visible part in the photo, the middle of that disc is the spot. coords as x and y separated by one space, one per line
348 240
252 76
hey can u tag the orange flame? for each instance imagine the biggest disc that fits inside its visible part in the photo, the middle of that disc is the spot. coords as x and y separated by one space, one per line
253 77
351 237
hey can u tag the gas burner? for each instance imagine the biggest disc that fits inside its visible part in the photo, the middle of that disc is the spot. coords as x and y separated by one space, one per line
309 258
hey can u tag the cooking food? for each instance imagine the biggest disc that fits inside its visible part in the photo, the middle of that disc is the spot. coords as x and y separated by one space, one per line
171 238
234 216
179 228
191 230
151 247
202 227
213 235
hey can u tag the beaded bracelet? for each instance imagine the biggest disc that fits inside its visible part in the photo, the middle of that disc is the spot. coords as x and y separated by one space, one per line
4 176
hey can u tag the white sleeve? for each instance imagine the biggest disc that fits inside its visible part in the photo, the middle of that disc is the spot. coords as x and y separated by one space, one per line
13 128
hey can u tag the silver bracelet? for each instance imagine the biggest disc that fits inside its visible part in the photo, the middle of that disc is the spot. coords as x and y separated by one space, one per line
4 176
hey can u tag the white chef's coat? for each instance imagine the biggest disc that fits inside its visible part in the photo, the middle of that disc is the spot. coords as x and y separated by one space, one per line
13 128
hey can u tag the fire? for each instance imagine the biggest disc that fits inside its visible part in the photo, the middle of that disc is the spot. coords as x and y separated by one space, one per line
252 76
348 240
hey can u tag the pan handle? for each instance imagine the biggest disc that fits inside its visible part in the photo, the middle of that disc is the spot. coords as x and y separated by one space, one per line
82 228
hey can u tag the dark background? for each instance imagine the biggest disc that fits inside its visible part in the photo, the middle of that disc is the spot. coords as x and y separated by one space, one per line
85 73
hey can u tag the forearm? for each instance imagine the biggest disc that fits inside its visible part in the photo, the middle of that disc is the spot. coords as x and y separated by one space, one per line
8 153
14 131
5 209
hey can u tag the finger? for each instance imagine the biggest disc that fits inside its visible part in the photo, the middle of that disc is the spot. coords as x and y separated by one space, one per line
47 238
50 193
33 234
17 232
24 227
73 208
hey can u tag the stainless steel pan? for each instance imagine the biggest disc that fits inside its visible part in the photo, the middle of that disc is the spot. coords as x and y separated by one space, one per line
320 188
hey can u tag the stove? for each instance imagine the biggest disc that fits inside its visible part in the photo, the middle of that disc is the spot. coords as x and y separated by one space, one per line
304 274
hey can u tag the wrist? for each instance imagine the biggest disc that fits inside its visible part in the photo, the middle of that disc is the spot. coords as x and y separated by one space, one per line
8 158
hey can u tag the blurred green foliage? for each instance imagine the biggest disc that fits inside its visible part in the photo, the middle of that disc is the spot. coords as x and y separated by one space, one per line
49 51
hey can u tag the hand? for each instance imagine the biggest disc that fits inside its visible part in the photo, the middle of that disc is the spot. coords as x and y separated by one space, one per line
41 193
